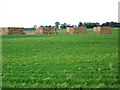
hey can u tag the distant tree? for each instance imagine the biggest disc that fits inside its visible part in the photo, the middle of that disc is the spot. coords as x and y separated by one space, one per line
111 24
116 24
63 26
49 26
41 26
80 24
83 25
74 25
97 24
104 24
46 26
91 25
35 26
57 24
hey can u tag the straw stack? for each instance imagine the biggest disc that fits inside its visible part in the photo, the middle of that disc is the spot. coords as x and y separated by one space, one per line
12 30
0 31
82 30
76 30
102 30
47 30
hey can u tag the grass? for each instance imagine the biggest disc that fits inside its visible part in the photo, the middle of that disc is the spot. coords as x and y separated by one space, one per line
60 61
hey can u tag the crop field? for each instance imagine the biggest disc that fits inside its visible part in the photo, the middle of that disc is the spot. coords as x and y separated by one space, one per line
60 61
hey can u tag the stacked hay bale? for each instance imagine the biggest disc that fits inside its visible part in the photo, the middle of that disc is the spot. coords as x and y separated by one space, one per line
0 31
47 30
102 30
12 30
82 30
76 30
40 30
70 30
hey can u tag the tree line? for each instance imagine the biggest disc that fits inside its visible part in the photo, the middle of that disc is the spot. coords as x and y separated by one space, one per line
59 25
87 24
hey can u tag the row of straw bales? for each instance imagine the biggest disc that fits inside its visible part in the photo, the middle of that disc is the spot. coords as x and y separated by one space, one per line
12 30
48 30
53 30
83 30
76 30
102 30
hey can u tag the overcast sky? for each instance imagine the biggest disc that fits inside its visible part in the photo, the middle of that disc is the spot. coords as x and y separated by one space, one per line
27 13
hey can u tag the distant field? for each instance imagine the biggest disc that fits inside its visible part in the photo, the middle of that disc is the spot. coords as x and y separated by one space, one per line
60 61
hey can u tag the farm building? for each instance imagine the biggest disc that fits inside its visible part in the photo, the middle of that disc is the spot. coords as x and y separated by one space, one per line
12 30
46 30
76 30
102 30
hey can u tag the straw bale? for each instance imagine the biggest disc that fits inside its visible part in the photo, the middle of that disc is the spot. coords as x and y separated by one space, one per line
76 30
47 30
102 30
12 30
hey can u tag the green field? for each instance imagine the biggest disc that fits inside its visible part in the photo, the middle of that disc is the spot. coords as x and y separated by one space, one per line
60 61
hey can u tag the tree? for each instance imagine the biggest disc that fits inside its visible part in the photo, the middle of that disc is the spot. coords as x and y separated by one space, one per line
35 26
80 24
97 24
57 24
41 26
63 26
91 25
